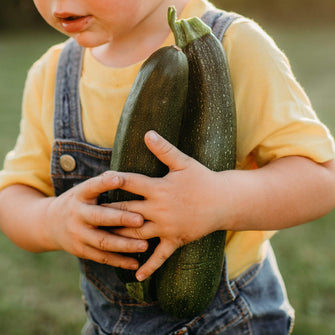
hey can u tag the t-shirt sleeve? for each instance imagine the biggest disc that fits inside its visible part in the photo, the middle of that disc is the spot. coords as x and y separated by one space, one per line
274 115
29 161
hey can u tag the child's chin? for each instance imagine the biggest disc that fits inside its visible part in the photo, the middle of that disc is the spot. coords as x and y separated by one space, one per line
88 40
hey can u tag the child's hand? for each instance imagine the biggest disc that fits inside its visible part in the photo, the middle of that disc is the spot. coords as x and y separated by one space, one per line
179 208
74 219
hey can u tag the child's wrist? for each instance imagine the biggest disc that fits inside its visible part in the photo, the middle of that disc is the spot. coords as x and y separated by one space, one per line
48 241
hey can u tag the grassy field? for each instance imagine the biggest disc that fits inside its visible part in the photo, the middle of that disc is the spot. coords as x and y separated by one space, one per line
39 294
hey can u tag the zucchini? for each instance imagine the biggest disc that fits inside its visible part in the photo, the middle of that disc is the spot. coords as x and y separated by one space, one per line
156 102
188 281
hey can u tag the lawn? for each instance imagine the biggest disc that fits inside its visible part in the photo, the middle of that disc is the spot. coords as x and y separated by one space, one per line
39 294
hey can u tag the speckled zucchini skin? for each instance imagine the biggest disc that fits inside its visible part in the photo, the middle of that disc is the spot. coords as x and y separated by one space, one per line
156 102
187 282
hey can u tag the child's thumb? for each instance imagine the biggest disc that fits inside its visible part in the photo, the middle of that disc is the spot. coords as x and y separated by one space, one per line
165 151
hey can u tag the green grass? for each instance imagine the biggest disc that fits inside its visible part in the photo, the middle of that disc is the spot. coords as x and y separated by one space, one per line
39 294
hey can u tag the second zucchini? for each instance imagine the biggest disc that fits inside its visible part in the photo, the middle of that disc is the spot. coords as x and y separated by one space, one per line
188 280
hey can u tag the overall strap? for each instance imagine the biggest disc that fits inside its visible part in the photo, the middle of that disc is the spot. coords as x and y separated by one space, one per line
67 108
219 21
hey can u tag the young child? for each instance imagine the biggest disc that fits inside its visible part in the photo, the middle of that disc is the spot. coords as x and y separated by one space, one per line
52 179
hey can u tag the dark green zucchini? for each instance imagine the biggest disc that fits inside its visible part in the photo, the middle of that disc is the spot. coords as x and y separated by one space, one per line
187 282
156 102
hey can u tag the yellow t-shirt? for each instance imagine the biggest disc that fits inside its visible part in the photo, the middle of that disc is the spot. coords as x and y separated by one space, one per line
274 116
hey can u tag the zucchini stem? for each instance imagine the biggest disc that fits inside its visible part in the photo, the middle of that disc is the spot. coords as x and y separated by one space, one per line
176 28
186 30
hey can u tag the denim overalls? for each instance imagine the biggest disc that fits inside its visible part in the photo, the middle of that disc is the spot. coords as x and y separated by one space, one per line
254 303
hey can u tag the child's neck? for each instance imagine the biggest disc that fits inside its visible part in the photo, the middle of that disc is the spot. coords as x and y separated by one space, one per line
140 43
123 53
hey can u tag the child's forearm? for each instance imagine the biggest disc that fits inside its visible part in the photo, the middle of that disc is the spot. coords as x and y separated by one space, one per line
23 217
286 192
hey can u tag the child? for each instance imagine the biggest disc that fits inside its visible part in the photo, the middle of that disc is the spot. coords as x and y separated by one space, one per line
277 132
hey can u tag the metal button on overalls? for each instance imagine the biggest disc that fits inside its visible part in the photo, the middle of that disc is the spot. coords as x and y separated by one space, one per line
67 162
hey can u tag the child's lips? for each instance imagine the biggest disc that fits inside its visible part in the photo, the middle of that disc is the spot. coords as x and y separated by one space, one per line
74 23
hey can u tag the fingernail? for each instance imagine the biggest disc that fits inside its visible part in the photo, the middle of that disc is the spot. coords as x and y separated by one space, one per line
153 136
142 246
133 266
140 276
137 220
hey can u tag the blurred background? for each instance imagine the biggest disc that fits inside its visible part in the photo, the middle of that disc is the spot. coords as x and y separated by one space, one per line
39 294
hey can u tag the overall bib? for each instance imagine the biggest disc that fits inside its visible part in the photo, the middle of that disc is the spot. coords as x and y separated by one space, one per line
253 303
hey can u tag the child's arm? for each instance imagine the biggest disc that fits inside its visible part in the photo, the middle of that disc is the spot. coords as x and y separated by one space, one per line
70 222
192 201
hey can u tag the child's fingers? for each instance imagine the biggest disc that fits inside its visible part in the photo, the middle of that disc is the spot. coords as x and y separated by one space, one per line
137 183
105 216
108 258
165 151
93 187
133 207
147 231
106 241
162 252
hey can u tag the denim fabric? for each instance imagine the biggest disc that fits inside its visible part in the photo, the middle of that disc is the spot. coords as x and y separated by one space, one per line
254 303
257 304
